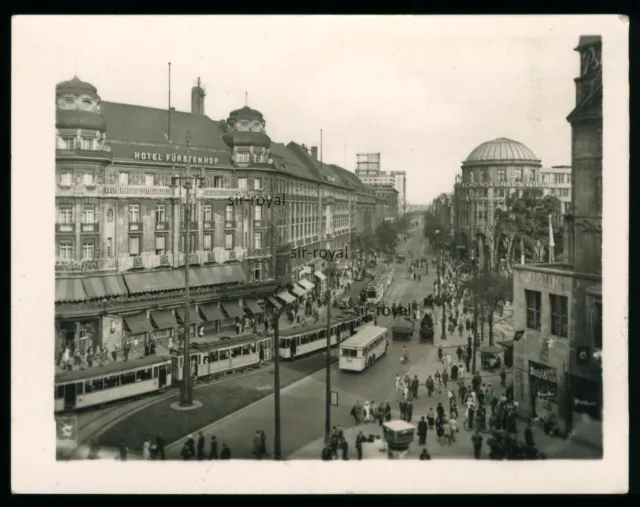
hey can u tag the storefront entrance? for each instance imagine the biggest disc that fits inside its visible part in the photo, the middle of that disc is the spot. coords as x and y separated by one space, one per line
543 390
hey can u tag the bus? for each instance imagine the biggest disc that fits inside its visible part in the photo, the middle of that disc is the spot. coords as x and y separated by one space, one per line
110 382
364 348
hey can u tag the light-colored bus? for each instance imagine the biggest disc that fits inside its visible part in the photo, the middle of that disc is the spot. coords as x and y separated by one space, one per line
364 348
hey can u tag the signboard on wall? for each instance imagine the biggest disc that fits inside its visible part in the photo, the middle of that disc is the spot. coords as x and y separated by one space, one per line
543 372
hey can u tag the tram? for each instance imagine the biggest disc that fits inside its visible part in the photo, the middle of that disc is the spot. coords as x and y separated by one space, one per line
300 341
99 385
375 291
212 358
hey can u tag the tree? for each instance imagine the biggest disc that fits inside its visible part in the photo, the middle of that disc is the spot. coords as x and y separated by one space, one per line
492 290
434 230
386 236
527 218
365 242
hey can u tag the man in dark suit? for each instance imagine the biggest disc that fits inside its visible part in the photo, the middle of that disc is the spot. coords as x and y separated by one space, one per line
422 432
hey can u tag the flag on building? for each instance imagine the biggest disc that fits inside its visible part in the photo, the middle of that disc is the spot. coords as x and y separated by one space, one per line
551 242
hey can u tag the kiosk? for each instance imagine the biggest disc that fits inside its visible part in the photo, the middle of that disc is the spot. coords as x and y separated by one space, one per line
398 435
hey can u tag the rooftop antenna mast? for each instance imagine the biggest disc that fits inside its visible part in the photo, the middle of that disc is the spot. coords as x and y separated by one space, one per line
169 127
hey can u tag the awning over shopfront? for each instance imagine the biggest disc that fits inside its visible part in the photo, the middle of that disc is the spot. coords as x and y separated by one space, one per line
70 289
253 306
211 312
286 297
155 281
320 275
94 287
114 285
232 309
274 302
298 291
194 315
163 319
138 324
508 343
306 284
104 286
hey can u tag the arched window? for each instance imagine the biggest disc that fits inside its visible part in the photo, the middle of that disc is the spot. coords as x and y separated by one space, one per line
109 215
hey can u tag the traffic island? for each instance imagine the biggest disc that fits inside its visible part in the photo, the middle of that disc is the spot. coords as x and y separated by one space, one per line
182 408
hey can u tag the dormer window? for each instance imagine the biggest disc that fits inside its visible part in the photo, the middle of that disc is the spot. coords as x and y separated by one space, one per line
86 104
69 101
243 158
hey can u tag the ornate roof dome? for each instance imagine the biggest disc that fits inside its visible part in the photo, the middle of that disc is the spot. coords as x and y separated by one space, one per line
246 138
76 87
245 113
501 150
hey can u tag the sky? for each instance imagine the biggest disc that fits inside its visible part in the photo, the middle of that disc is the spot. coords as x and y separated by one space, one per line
421 91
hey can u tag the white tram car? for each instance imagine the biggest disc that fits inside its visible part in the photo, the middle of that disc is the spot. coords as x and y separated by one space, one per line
221 356
99 385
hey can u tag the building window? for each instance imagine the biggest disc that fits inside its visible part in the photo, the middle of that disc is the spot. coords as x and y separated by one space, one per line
87 179
228 240
558 178
134 213
559 315
149 180
217 182
123 178
517 174
596 324
534 306
257 213
109 215
66 179
257 183
109 247
564 192
69 143
257 240
207 242
193 215
207 213
66 215
228 212
160 213
192 243
567 207
66 251
86 144
88 215
568 176
257 272
134 246
87 251
242 183
502 174
242 158
160 245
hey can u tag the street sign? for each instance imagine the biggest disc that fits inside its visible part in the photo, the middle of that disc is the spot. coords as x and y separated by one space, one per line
334 398
67 429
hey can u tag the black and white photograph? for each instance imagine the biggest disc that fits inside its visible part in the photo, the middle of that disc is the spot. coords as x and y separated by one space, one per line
280 241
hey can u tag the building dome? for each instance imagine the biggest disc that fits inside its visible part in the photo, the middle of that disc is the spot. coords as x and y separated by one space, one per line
501 150
78 106
245 113
76 87
246 138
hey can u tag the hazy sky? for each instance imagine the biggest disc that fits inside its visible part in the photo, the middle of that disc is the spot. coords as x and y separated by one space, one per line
424 92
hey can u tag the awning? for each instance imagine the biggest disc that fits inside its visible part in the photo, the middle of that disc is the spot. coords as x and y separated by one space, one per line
320 275
94 287
306 284
274 302
232 309
227 273
155 281
298 291
138 323
211 312
163 319
194 315
70 289
508 343
114 285
286 297
253 306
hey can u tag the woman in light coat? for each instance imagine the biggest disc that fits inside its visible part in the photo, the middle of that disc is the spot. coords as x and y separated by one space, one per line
146 449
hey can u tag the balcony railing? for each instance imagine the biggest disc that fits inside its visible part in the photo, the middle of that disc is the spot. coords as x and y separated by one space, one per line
162 226
258 223
221 193
66 228
84 154
91 227
229 224
136 191
135 227
208 224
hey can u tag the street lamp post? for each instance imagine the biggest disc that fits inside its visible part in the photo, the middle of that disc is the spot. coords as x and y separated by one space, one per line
475 311
189 183
327 420
277 447
443 296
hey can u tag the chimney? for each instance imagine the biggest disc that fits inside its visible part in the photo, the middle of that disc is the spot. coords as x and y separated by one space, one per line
314 152
197 99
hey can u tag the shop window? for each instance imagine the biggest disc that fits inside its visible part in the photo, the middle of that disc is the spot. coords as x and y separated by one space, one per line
534 306
559 315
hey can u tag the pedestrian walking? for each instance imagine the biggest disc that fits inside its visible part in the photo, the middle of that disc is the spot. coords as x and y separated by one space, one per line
503 377
225 453
359 440
201 443
476 439
146 449
422 431
459 353
213 449
409 411
445 378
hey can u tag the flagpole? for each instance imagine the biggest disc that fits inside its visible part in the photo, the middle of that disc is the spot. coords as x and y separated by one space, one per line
169 127
551 242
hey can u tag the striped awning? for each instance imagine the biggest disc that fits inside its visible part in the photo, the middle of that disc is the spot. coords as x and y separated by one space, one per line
286 297
253 306
138 324
320 275
94 287
274 302
163 319
232 309
155 281
104 286
306 284
70 289
114 285
298 291
194 315
211 312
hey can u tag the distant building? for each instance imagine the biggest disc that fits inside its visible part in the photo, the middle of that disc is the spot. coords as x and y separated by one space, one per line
369 171
558 177
557 361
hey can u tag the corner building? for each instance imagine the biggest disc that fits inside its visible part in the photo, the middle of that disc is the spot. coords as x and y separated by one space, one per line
557 361
120 226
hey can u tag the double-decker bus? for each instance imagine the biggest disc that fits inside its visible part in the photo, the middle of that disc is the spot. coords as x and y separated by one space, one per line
364 348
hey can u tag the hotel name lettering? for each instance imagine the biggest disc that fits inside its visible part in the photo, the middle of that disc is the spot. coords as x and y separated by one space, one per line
547 374
173 157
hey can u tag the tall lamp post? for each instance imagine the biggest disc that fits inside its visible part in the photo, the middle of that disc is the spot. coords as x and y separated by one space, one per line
189 183
277 447
444 297
327 419
475 310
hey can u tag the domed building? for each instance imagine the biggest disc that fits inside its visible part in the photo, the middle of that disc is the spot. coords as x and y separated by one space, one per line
489 174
